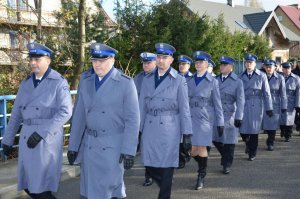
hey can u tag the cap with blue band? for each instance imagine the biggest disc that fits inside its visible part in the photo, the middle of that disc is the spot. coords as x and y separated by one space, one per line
184 59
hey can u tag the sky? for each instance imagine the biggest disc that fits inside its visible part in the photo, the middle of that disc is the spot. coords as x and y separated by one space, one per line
268 5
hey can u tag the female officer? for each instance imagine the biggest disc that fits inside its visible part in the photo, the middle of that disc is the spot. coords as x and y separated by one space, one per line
205 106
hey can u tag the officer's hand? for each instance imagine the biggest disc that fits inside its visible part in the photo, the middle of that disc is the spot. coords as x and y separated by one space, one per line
237 123
269 113
128 160
72 155
283 110
33 140
187 143
7 149
297 109
220 130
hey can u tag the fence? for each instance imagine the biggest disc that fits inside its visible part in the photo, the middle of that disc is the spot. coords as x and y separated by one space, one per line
4 118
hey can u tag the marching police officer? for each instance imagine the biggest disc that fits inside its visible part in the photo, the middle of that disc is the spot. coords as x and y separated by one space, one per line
44 105
104 130
292 83
184 65
279 100
257 94
211 65
165 118
206 108
296 71
149 64
233 102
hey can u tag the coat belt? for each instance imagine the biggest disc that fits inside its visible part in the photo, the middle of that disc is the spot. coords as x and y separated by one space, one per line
160 112
30 122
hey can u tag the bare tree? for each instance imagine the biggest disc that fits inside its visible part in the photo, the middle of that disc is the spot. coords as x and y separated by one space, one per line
38 7
82 36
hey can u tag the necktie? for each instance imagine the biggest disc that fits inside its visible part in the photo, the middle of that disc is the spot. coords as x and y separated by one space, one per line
249 75
223 78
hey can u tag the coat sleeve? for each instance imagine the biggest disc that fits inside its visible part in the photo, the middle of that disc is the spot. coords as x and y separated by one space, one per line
14 121
297 100
283 96
132 119
240 101
62 115
184 109
266 93
78 122
217 104
142 106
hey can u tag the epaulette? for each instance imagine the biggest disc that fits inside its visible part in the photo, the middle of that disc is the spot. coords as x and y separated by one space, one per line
126 76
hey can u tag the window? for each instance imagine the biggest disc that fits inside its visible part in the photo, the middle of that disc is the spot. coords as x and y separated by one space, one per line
279 18
18 4
13 39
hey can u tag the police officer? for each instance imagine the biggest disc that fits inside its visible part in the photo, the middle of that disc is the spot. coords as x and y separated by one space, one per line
184 65
206 108
104 130
296 71
165 118
279 100
292 83
233 102
149 64
44 105
211 65
257 94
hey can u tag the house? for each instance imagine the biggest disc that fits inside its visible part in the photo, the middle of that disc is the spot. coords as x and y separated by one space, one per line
253 20
17 20
289 17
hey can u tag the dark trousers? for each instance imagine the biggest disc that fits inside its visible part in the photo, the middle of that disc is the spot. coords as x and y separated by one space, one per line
163 177
43 195
251 141
287 131
271 137
227 153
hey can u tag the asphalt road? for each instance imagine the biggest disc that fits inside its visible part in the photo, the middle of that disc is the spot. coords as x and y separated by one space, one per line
273 175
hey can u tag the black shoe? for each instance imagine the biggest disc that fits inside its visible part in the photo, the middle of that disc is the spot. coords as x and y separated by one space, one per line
148 182
226 170
251 158
287 140
199 183
270 147
181 165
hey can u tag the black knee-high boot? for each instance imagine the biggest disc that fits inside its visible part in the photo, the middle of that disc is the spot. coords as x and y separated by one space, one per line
202 165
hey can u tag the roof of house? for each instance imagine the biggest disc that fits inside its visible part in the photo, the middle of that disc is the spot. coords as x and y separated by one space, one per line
233 16
292 12
290 35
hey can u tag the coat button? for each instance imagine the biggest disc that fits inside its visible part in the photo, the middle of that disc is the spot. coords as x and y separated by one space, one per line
24 108
161 122
103 112
24 137
163 100
103 130
150 122
36 108
103 149
90 147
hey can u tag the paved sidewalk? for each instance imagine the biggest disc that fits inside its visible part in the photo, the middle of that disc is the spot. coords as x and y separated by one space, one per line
273 175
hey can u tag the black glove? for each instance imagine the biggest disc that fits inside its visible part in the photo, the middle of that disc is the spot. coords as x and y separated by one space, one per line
220 130
297 109
72 155
237 123
128 160
187 143
7 149
33 140
269 113
283 110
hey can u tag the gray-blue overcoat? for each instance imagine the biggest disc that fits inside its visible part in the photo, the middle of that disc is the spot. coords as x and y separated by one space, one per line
206 109
138 79
293 100
257 99
233 102
44 109
165 116
279 100
105 124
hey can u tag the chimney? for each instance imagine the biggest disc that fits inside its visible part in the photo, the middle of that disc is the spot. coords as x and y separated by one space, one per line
230 3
